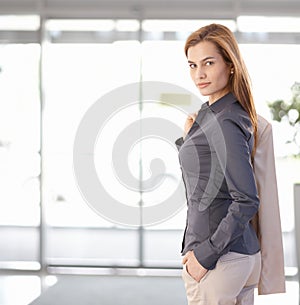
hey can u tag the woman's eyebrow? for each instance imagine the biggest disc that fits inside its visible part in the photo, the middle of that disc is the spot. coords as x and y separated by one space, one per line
204 59
208 57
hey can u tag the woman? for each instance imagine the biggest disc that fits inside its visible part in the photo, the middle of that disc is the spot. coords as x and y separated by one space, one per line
222 259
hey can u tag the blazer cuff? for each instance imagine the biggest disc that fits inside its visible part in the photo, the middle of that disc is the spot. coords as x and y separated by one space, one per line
206 255
179 142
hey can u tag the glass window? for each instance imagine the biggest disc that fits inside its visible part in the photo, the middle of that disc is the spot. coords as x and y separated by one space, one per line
76 76
272 80
269 24
19 23
19 151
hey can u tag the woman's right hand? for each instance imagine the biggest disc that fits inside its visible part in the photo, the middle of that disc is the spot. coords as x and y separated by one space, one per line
189 122
193 267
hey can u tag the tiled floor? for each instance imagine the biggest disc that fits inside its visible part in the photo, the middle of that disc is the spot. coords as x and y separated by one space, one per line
23 289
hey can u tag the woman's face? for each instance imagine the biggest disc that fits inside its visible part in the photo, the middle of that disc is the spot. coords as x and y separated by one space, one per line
208 70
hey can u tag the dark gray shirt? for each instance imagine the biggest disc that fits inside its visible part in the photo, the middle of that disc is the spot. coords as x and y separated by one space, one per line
215 159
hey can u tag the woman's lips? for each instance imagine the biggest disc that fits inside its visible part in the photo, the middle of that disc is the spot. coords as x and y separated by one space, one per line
202 85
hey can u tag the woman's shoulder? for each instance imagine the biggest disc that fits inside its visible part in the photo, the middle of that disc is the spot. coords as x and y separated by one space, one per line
234 118
236 113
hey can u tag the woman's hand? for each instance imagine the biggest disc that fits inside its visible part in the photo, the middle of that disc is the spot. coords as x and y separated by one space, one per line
193 267
189 122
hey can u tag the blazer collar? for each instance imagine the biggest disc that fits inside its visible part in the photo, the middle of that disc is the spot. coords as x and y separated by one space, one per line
223 102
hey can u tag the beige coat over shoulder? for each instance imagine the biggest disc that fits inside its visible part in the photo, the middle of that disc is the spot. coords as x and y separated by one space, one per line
267 222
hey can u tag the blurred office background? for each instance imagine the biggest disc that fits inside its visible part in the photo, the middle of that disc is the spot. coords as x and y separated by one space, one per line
57 58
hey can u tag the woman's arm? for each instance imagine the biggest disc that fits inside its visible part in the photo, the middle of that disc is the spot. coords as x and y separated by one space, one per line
235 162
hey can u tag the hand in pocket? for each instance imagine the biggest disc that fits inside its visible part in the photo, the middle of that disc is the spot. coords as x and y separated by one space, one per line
193 267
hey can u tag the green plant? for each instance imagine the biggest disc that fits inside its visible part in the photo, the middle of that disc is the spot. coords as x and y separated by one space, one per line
289 112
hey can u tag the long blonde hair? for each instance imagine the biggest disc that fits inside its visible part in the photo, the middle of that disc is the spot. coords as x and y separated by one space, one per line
239 81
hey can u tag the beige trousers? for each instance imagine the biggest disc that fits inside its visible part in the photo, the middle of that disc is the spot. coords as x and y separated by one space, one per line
232 282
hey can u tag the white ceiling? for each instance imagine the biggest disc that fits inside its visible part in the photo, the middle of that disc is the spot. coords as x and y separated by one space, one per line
160 9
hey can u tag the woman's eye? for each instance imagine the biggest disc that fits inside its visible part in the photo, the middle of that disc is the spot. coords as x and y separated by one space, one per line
192 66
208 63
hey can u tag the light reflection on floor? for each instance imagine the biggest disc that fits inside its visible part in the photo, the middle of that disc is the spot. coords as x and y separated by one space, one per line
19 289
23 289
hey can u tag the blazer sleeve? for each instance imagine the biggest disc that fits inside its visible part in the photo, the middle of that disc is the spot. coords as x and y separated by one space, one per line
272 278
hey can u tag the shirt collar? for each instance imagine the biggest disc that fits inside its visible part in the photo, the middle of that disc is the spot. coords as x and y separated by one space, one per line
223 102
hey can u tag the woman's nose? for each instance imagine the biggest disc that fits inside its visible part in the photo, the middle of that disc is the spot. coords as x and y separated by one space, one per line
200 73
